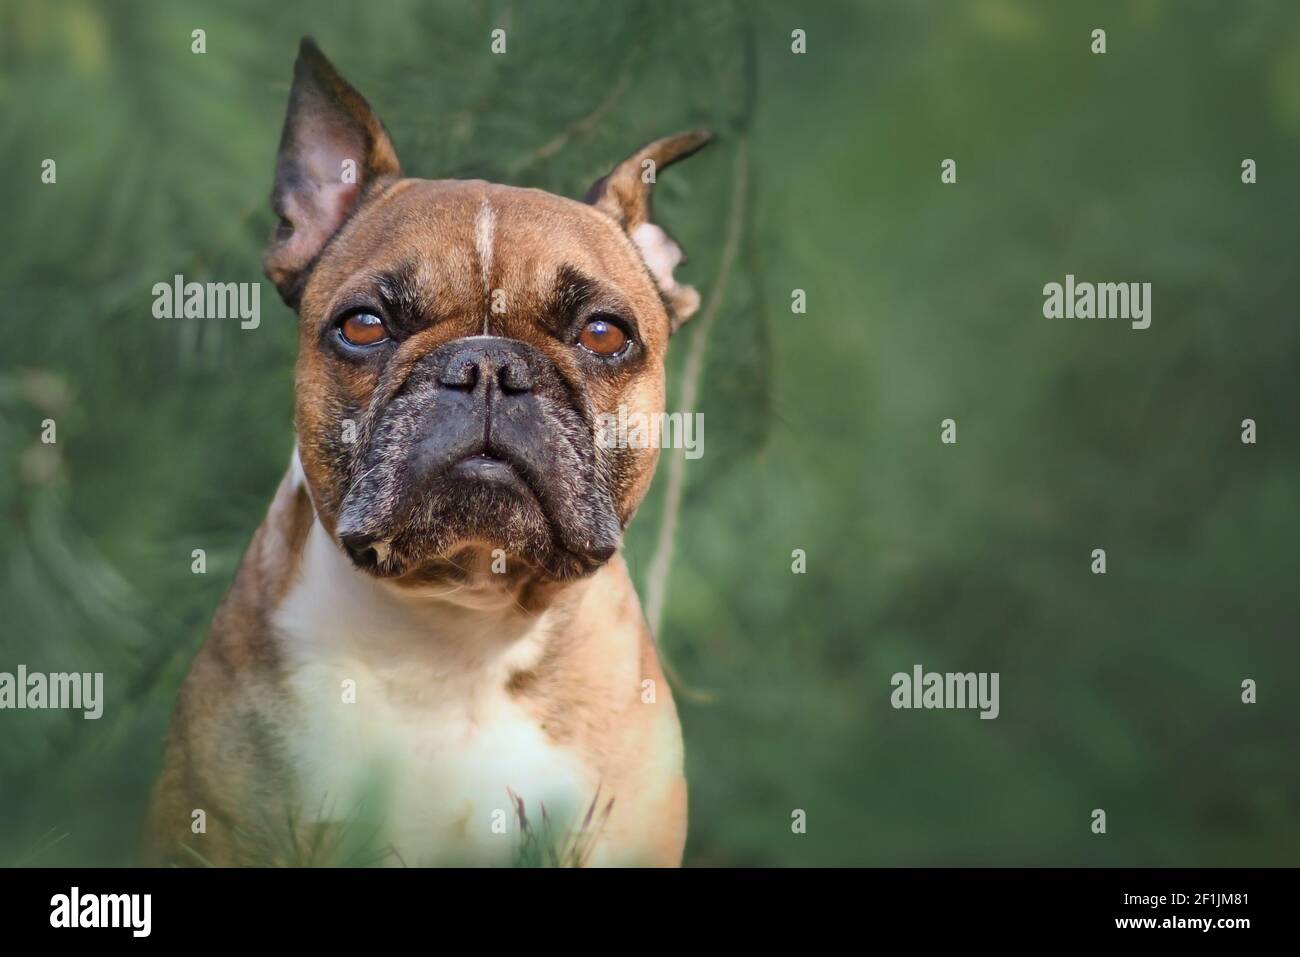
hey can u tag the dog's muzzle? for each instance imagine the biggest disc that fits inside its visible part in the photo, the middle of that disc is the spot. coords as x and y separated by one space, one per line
478 416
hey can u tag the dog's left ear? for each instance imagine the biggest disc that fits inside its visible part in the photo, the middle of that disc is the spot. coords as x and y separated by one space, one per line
333 148
625 195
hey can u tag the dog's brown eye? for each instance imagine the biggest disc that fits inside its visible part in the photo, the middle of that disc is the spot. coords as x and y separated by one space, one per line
363 329
603 338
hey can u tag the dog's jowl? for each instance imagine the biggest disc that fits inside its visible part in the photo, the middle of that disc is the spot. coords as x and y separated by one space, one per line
432 651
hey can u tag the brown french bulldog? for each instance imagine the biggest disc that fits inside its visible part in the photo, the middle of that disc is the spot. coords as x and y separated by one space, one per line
433 624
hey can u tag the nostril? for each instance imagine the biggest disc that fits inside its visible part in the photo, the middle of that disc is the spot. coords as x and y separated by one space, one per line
516 377
461 372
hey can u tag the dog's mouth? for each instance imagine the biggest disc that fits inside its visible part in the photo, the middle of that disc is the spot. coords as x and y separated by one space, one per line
488 504
367 551
374 552
491 470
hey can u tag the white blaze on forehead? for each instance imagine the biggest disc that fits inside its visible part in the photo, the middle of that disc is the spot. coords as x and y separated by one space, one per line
485 225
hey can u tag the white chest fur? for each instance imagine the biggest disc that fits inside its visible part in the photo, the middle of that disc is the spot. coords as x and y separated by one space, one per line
400 711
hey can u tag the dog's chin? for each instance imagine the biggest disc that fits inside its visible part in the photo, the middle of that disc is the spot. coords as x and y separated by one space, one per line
480 521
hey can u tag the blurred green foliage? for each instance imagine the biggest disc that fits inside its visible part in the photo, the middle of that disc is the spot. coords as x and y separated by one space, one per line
1118 691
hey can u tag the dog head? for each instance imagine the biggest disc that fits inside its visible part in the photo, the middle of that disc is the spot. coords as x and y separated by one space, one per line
459 342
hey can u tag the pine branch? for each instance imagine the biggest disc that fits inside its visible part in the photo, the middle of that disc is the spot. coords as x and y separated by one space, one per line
657 577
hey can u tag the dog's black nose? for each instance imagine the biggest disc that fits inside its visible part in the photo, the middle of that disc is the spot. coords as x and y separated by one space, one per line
487 360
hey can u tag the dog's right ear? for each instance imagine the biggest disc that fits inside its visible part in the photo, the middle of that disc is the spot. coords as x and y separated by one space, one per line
332 150
624 195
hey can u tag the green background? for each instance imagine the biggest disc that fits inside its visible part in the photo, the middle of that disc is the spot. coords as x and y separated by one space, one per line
1119 692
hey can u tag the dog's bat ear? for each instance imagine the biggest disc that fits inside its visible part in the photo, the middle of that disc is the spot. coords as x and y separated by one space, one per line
332 150
625 196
